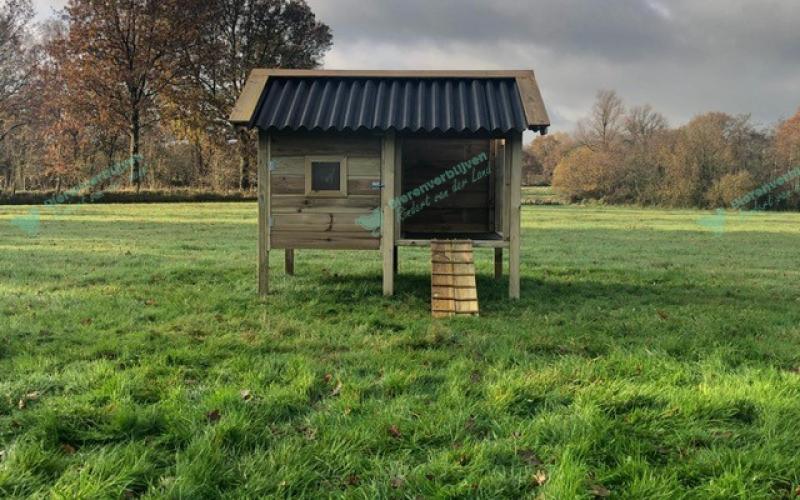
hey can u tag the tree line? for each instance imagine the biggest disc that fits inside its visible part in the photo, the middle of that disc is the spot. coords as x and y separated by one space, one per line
153 80
621 154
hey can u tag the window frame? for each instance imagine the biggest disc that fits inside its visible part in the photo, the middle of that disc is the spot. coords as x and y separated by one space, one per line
342 191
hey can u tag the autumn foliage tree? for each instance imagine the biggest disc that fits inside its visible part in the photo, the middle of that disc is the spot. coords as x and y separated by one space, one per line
243 35
787 142
541 157
630 155
120 55
586 173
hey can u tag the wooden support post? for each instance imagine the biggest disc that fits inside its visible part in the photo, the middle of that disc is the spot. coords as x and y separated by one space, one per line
263 213
498 263
514 147
289 262
388 228
396 260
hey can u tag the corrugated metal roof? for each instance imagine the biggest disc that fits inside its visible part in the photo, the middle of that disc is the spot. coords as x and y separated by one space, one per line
403 104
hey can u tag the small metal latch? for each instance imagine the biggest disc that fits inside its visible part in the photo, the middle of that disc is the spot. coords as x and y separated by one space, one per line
376 185
273 165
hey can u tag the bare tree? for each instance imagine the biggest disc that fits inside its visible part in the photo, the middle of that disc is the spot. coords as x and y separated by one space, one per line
17 63
603 127
642 124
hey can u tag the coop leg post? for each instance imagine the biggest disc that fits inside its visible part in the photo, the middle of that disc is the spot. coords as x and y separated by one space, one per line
387 194
263 213
289 262
514 217
498 263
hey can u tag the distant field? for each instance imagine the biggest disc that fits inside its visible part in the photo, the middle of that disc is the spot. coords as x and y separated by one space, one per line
647 358
540 195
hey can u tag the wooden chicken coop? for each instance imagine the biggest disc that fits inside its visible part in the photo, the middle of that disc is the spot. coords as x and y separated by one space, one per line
376 160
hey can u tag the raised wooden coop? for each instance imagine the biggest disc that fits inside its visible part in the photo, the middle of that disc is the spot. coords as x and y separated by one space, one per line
375 160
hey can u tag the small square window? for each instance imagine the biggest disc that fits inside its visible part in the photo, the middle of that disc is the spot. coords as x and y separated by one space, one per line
326 176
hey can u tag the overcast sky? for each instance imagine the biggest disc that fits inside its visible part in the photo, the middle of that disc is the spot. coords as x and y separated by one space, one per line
681 56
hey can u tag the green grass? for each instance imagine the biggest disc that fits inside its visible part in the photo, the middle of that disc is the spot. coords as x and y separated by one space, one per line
647 358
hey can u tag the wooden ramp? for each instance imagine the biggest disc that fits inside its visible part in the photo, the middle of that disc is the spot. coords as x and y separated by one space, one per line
453 290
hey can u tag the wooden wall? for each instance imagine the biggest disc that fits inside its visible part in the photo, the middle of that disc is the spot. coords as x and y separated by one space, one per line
300 221
469 210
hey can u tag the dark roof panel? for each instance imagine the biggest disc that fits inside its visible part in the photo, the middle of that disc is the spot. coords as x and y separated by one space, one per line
403 104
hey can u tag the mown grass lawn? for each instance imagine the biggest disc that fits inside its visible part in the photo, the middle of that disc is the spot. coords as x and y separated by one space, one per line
648 358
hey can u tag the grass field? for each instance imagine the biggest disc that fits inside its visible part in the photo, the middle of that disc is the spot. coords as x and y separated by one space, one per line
648 358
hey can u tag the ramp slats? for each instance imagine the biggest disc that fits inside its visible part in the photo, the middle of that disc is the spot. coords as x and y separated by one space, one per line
453 289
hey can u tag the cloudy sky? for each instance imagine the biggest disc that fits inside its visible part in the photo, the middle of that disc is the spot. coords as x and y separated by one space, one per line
681 56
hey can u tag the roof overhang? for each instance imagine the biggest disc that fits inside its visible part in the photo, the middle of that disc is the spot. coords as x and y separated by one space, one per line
250 98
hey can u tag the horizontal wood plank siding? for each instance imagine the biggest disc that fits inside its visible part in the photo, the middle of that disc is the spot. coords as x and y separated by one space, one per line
299 144
300 221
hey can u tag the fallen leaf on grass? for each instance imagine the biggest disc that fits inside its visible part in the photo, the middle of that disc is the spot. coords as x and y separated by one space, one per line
598 490
395 432
529 457
213 416
150 302
23 403
470 423
68 449
663 315
352 480
539 478
398 482
309 433
328 377
245 394
86 321
337 389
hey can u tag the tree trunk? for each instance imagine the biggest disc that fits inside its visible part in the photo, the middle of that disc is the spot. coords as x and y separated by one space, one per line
244 160
8 184
135 143
15 175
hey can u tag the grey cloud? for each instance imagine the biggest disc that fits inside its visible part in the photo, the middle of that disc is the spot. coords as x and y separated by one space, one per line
682 56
